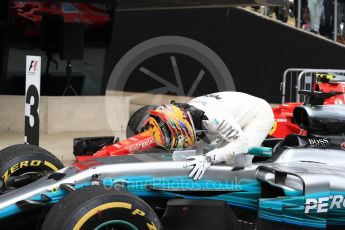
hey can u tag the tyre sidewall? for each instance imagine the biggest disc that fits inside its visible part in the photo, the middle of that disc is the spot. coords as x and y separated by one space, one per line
123 208
28 162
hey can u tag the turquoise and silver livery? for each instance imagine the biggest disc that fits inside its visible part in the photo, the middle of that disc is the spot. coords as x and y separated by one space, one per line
301 185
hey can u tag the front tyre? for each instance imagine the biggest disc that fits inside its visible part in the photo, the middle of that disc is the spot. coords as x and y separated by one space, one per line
97 208
22 164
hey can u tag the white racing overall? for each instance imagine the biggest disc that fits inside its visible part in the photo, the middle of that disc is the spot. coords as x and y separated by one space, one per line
236 121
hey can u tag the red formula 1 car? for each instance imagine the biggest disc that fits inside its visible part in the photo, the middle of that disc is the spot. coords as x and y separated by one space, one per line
86 148
324 91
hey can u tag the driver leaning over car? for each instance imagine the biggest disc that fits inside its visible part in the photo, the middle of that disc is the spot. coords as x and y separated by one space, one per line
231 122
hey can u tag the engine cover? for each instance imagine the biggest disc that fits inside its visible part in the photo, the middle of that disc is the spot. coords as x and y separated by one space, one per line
321 119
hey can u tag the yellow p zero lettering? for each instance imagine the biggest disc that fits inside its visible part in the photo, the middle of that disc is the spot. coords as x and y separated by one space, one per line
151 226
23 164
98 209
14 168
50 165
139 212
35 163
5 176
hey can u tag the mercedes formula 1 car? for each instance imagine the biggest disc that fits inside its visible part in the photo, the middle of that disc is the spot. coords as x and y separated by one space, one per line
300 186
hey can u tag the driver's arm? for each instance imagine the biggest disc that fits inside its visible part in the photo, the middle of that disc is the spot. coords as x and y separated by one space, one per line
227 129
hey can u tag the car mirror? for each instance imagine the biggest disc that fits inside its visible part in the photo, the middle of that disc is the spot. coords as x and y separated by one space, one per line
260 151
182 155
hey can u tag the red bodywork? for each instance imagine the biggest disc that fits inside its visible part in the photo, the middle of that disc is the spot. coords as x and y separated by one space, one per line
28 15
139 142
283 115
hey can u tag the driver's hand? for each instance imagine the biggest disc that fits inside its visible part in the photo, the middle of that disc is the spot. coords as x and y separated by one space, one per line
200 164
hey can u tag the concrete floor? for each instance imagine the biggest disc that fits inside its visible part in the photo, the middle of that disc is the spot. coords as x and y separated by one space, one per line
61 144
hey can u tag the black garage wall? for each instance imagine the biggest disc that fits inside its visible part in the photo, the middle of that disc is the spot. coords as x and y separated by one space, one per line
261 50
3 49
256 50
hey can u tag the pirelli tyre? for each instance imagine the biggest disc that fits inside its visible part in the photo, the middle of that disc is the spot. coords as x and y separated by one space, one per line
98 208
21 164
136 122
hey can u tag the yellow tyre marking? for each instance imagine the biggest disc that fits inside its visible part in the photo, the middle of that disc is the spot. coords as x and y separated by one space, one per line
50 165
14 168
100 208
5 176
138 212
151 226
35 163
22 164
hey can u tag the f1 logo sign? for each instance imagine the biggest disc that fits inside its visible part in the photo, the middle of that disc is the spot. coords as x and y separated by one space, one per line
32 99
33 66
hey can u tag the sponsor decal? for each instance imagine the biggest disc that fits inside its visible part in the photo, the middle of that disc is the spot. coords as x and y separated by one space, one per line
33 66
338 102
221 126
129 207
215 96
318 141
233 137
141 145
343 145
198 102
24 164
227 131
274 127
323 204
216 122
